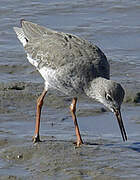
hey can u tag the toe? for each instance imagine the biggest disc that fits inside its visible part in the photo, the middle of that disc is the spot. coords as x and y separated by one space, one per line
36 138
78 143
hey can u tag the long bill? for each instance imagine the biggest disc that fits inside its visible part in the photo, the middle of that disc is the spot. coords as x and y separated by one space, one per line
121 125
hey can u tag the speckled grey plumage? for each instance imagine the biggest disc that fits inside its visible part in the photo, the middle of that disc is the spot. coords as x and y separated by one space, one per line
76 61
56 49
72 65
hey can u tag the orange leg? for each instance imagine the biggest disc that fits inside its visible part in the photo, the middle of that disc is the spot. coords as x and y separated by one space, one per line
36 137
73 111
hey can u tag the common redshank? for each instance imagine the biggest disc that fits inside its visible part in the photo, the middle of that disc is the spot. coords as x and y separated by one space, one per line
72 66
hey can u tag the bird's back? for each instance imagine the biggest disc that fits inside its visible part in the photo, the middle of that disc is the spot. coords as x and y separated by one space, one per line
78 60
56 49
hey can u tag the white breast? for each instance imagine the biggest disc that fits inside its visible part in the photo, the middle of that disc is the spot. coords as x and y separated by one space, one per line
48 75
32 61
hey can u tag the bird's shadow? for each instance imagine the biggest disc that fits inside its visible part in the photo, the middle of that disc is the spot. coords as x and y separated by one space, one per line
45 141
135 146
92 144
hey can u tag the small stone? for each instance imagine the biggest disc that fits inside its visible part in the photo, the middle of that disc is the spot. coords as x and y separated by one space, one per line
20 156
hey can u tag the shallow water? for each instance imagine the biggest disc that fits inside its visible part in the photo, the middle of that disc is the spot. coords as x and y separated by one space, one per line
115 27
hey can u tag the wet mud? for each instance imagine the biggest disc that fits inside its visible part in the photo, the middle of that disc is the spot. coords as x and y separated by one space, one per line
56 157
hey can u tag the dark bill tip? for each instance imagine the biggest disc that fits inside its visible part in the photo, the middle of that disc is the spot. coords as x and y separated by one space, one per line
121 125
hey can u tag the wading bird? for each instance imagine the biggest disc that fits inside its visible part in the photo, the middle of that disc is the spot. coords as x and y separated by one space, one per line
72 66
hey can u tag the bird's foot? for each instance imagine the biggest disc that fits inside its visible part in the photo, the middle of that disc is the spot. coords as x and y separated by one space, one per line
36 138
78 143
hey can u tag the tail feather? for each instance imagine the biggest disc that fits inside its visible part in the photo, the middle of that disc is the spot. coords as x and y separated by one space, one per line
30 31
33 31
21 35
30 35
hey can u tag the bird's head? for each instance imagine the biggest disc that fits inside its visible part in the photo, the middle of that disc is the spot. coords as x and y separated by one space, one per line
110 94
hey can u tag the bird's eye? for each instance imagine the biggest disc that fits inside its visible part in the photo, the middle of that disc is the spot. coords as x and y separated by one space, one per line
108 97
